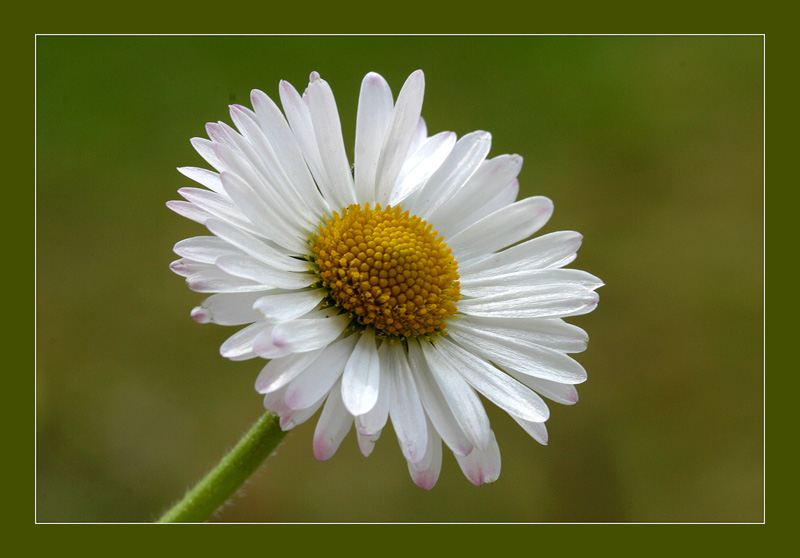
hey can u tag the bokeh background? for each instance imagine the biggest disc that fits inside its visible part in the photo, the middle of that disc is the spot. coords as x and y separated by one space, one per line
651 146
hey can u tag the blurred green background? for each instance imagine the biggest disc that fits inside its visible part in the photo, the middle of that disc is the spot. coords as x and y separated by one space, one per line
650 146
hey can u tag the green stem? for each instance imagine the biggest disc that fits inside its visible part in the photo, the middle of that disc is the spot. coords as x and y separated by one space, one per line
235 468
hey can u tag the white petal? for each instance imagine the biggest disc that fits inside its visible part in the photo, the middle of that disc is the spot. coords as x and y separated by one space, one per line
373 421
408 417
482 466
537 301
420 135
526 358
333 425
482 285
328 131
361 379
206 150
536 430
489 180
274 401
230 308
547 332
285 306
269 167
291 418
219 206
306 334
201 315
420 165
250 268
205 249
465 158
372 120
462 400
506 197
366 442
566 394
432 439
280 371
287 151
282 204
260 214
264 347
552 250
188 210
255 247
239 346
502 228
318 378
426 477
497 386
217 134
299 117
207 178
399 134
435 404
186 267
217 281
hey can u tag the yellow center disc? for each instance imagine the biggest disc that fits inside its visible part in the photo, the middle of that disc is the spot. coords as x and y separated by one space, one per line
388 268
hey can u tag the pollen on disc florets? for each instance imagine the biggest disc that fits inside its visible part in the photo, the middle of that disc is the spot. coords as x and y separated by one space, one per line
388 268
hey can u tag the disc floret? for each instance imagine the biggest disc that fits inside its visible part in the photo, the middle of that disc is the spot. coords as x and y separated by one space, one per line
388 268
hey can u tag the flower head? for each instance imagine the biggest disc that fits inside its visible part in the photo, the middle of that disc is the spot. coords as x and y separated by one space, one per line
400 289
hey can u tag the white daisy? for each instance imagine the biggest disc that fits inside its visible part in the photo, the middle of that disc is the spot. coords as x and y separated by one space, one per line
386 289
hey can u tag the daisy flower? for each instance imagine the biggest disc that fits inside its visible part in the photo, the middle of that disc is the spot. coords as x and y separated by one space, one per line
401 288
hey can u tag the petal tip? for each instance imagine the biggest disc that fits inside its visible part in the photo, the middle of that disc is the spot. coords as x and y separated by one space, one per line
323 449
286 88
211 128
176 266
373 77
426 481
178 207
201 315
